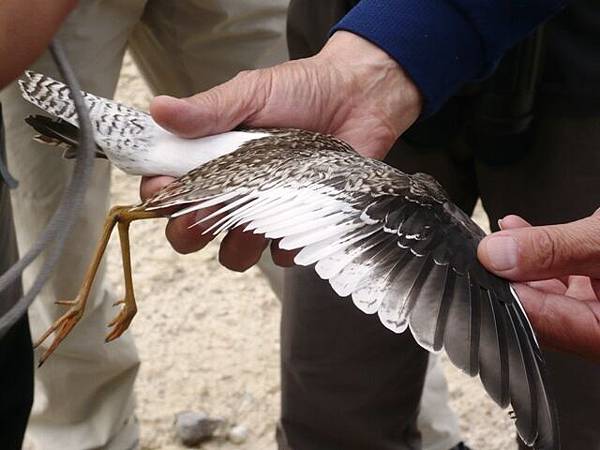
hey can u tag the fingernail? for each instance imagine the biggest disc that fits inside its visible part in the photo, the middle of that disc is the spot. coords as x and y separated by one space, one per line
500 223
502 252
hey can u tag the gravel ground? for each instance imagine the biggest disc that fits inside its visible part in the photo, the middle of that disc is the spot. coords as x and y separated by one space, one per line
208 338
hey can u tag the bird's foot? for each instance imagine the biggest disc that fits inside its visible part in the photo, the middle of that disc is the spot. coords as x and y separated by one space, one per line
122 321
62 326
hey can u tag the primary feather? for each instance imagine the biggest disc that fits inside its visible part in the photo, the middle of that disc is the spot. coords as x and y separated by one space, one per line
392 242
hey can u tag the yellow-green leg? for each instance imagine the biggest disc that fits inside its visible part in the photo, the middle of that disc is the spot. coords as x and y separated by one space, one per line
122 321
121 216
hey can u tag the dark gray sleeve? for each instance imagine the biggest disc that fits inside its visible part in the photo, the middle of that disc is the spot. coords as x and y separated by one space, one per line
16 353
309 23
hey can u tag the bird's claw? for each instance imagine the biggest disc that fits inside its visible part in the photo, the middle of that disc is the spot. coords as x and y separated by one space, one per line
66 302
122 321
62 326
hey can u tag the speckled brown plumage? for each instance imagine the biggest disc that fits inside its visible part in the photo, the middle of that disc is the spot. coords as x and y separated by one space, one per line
299 156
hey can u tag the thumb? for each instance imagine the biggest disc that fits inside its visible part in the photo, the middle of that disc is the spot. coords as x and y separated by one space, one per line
217 110
538 253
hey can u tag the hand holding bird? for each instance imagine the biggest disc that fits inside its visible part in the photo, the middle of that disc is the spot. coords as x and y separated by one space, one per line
351 89
564 306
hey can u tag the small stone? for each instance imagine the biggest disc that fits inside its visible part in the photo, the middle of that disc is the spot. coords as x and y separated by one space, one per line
238 434
194 427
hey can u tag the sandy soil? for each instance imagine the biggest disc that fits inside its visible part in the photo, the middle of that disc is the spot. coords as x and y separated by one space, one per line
209 340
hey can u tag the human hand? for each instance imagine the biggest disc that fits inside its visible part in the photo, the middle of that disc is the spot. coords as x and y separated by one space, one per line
561 264
351 89
25 30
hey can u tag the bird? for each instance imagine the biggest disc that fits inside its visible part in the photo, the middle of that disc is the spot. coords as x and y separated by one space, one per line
392 243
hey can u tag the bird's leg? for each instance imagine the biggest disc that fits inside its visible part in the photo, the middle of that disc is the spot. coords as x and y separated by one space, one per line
123 319
121 322
123 216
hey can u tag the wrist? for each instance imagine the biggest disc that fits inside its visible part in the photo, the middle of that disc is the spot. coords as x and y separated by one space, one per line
372 73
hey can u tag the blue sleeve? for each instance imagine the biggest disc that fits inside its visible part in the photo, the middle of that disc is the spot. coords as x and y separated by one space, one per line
443 44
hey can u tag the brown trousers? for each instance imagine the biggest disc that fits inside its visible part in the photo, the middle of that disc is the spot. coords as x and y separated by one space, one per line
347 382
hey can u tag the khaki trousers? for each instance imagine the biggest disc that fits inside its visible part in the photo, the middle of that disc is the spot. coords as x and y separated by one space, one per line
84 393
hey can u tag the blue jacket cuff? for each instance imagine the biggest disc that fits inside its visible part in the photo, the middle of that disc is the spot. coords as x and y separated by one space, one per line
436 46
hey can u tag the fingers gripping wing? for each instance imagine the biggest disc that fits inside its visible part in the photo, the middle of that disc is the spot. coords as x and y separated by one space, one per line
390 241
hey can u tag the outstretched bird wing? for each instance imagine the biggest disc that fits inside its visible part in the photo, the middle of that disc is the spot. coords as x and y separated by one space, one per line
393 243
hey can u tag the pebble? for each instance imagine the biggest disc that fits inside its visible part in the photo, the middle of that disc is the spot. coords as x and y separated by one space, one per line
238 434
194 427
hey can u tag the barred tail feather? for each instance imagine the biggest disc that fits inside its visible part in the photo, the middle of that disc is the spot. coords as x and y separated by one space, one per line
53 97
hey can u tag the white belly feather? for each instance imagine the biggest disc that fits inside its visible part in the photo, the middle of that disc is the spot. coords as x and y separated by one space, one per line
168 154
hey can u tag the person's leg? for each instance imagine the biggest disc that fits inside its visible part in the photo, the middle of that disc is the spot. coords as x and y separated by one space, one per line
16 381
205 43
310 305
84 392
325 340
347 381
16 354
437 422
189 46
557 181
